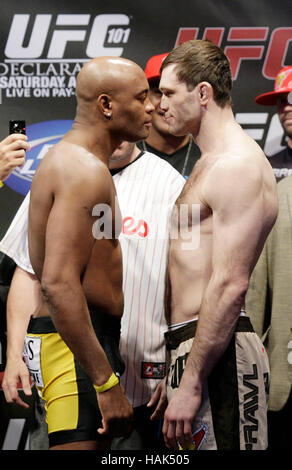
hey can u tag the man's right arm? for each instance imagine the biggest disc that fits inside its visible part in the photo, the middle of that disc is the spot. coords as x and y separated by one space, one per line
239 228
23 299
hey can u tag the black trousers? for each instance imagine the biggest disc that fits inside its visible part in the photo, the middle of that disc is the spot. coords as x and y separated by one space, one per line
146 434
280 427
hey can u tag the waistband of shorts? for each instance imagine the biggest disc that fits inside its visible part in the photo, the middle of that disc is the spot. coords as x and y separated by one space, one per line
100 321
174 338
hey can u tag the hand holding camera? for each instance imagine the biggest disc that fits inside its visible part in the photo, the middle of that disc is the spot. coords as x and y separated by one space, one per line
13 148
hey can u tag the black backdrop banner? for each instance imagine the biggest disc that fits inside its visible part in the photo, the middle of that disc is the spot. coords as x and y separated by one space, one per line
44 44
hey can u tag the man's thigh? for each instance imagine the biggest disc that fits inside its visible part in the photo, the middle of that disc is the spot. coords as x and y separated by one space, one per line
233 412
71 406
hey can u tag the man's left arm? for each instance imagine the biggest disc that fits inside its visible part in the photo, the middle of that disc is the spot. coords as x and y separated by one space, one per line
238 234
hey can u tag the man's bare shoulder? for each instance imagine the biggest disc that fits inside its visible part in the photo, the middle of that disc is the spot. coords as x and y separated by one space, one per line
246 174
71 156
70 167
248 161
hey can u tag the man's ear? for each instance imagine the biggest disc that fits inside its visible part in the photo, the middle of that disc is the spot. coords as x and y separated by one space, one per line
104 103
205 91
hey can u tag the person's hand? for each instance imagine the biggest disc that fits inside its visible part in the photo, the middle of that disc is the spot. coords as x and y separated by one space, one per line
12 153
159 399
16 372
179 417
117 413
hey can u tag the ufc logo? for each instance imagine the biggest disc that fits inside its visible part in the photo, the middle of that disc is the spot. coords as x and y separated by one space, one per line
247 43
100 33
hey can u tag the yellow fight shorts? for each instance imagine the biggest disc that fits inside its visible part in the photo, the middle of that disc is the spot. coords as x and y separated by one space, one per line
72 411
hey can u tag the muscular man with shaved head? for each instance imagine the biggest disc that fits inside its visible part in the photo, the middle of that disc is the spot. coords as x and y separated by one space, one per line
72 341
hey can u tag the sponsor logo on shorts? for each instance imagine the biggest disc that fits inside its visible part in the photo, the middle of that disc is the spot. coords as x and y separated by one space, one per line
177 370
32 358
250 408
153 370
200 435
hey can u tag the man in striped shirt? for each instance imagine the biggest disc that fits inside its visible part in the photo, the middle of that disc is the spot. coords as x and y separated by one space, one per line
146 189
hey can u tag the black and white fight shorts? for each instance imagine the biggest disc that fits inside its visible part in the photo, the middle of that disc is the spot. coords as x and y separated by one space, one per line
233 413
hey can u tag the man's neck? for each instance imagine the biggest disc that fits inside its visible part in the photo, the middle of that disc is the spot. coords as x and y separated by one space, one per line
116 164
289 142
216 129
85 135
166 143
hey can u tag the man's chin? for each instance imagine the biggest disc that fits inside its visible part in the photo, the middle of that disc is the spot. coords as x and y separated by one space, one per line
176 132
159 123
288 130
137 137
145 134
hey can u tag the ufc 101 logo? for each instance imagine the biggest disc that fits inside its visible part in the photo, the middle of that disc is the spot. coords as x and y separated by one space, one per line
109 30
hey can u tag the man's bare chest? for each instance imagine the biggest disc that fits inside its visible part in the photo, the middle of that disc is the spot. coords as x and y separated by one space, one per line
191 200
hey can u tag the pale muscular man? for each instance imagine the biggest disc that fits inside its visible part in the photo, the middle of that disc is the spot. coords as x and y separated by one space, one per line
218 377
72 341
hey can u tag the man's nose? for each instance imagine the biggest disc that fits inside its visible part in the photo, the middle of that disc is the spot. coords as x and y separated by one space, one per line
149 107
163 103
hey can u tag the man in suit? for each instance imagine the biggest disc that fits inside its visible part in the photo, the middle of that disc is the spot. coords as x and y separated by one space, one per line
269 297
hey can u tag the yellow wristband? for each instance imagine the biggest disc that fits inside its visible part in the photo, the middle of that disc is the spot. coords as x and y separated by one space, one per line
112 381
1 184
